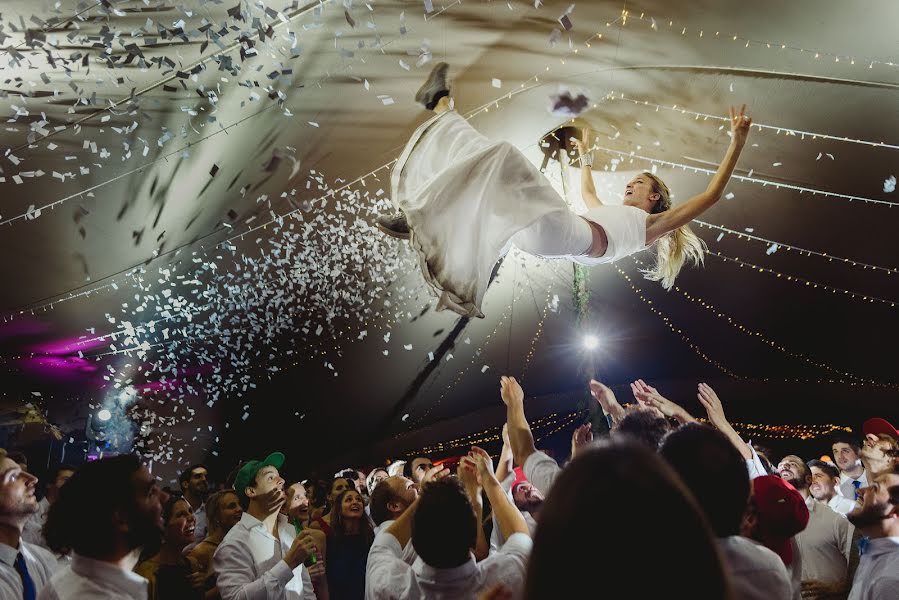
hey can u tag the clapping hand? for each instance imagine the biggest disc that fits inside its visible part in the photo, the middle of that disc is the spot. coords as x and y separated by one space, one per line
582 437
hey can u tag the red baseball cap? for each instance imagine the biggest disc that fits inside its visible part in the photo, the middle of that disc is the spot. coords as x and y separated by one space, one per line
878 425
519 478
782 513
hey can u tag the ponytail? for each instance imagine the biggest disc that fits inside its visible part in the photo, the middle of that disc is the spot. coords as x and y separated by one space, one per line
673 249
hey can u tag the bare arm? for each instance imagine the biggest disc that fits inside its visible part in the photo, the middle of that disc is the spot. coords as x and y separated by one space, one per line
584 149
520 437
504 464
712 404
508 517
665 222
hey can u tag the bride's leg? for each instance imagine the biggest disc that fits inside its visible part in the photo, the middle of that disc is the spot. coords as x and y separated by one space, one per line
557 234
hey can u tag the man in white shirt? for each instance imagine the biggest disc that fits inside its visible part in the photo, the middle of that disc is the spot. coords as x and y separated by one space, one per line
713 469
443 528
846 453
826 541
194 482
262 557
825 486
107 513
390 499
32 532
25 569
877 517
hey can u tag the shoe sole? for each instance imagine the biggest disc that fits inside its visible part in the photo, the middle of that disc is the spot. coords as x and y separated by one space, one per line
421 94
394 234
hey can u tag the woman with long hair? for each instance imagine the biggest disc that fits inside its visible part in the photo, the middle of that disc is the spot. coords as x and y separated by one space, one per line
171 575
223 512
337 487
464 201
349 541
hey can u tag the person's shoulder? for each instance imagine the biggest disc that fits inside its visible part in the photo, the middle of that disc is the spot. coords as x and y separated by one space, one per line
747 552
42 554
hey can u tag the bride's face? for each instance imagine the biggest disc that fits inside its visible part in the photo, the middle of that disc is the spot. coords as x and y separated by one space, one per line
638 193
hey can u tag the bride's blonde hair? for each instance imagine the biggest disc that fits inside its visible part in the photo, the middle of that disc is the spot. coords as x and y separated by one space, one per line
673 249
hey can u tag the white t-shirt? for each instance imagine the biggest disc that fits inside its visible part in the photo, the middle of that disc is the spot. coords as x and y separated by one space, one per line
877 577
94 579
756 572
249 563
41 565
388 577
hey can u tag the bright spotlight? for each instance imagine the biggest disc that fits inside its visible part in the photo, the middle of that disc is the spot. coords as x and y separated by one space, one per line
591 342
104 415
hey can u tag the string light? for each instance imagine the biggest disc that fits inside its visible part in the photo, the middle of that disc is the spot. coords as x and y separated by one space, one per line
736 37
756 180
802 251
761 126
775 345
806 282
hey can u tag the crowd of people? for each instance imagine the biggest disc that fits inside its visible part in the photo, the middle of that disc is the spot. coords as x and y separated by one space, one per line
666 506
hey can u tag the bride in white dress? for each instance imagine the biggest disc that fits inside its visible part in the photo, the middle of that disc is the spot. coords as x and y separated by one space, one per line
463 200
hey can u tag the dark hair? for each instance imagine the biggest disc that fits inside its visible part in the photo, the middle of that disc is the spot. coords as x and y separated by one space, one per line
81 519
585 503
187 473
444 527
407 467
338 525
828 468
16 456
644 426
54 474
714 471
169 506
846 438
381 496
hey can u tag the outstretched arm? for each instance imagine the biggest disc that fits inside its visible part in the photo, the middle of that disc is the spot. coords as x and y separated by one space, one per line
585 152
665 222
520 437
712 404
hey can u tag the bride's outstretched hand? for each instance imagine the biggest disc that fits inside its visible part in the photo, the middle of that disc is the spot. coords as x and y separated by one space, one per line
739 125
585 143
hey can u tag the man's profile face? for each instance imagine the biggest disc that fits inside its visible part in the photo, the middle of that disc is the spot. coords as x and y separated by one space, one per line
527 498
845 457
17 499
145 525
876 504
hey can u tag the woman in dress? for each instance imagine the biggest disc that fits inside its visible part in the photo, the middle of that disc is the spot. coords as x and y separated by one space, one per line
464 200
170 575
349 541
223 512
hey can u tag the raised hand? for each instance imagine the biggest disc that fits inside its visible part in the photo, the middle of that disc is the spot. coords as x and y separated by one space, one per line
484 464
468 474
505 434
510 391
581 438
607 400
585 144
652 399
433 474
712 404
739 125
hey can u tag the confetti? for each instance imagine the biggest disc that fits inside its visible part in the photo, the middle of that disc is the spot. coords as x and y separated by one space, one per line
889 184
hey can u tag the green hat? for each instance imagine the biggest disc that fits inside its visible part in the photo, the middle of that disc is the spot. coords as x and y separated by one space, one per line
246 477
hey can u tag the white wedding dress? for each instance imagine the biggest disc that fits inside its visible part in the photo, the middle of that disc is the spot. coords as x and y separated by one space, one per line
468 199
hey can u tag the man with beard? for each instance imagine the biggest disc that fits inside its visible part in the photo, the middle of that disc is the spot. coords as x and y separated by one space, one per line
825 543
262 556
24 568
107 513
877 517
195 488
825 486
879 452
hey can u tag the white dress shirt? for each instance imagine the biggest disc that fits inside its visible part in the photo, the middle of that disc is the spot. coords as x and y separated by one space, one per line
756 572
541 471
825 543
388 577
846 486
200 516
32 533
409 553
249 563
877 577
41 565
842 505
94 579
